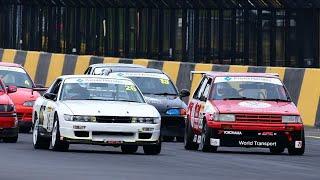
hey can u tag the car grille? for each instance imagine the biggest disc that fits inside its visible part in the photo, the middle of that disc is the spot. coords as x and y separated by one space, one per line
19 115
113 119
258 118
105 133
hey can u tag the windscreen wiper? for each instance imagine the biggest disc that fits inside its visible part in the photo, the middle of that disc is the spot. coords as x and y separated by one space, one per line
166 94
277 99
242 98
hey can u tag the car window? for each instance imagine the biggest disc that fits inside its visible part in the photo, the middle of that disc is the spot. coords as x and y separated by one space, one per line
88 70
15 76
206 90
54 89
201 88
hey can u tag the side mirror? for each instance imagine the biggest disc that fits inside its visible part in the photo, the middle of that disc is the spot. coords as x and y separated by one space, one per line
184 93
12 89
50 96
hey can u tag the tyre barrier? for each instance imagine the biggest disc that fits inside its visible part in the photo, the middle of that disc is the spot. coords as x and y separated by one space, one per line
303 84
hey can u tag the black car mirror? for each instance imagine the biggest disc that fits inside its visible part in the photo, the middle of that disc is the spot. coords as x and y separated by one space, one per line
50 96
184 93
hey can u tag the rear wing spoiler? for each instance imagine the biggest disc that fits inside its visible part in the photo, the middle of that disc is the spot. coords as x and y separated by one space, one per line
197 72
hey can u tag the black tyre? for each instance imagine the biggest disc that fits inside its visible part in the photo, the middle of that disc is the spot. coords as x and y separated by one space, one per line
13 139
188 138
168 138
205 140
297 151
24 129
276 150
56 143
180 139
152 149
38 141
129 149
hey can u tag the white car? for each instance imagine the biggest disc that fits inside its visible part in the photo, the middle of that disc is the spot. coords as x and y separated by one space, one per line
97 110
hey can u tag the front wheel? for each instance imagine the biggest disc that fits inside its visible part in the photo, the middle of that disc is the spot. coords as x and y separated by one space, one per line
205 145
152 149
39 142
188 138
56 143
13 139
129 149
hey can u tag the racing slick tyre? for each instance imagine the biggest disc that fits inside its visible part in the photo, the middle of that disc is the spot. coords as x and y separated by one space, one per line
13 139
38 141
276 150
205 140
24 129
168 138
297 151
56 143
188 138
152 149
129 149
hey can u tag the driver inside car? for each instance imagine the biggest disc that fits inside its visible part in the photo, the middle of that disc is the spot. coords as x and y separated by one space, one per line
73 91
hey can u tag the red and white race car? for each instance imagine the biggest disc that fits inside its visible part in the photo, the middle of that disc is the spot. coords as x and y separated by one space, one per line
243 110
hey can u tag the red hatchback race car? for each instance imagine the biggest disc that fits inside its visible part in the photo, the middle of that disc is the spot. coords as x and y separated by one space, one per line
243 110
15 75
8 116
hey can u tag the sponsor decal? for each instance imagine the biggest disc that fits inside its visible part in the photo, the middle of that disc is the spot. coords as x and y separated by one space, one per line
162 77
257 143
298 144
99 80
233 132
254 104
214 142
267 134
199 139
248 79
195 138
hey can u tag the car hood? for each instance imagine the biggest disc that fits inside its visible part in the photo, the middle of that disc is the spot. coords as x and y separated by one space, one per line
163 103
4 98
261 107
110 108
22 95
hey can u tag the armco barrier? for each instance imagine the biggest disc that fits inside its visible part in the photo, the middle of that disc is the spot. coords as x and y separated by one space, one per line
303 84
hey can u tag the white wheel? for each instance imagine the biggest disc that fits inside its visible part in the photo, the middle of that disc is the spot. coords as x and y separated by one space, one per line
35 133
54 134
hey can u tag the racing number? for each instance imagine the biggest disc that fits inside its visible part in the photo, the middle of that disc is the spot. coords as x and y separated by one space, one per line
164 81
131 88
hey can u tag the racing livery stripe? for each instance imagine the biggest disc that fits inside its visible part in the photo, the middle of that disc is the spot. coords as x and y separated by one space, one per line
256 69
183 81
279 70
142 62
111 60
197 77
125 61
293 80
221 68
238 68
8 55
1 53
82 64
95 60
42 68
55 68
317 121
32 60
20 57
172 70
69 64
308 100
155 64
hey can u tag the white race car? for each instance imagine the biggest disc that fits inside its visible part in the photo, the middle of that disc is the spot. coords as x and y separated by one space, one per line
95 110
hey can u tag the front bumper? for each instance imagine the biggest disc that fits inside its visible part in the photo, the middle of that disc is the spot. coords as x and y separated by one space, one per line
172 126
110 134
257 135
9 132
24 115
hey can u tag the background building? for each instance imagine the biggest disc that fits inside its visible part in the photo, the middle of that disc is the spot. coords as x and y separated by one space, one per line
246 32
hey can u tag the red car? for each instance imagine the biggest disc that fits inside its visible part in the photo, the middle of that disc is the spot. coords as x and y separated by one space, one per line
243 110
8 116
15 75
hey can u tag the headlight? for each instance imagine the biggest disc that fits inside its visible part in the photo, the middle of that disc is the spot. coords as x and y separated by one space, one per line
7 108
176 111
224 117
80 118
291 119
147 120
28 103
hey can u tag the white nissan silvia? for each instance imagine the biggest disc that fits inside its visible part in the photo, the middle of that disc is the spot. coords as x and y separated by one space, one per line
80 109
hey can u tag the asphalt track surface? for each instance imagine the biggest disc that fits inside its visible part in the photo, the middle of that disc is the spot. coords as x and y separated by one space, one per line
21 161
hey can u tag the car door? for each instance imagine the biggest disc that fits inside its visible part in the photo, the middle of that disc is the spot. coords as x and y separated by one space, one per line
49 106
202 102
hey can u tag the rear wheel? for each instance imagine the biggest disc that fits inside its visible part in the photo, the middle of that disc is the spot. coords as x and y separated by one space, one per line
24 129
56 143
152 149
39 142
188 138
129 149
13 139
168 138
180 139
205 145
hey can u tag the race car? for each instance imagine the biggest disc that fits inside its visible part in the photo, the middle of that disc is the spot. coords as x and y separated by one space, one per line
243 110
15 75
97 110
158 91
8 115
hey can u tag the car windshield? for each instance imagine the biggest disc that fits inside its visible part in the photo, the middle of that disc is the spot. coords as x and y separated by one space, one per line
251 88
152 83
100 89
15 76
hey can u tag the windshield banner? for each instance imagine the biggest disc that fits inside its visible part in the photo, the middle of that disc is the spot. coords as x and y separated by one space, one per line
248 79
98 80
150 75
14 69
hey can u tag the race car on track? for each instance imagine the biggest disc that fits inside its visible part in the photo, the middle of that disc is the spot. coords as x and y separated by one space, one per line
158 91
98 110
8 115
243 110
15 75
